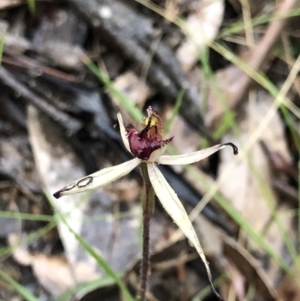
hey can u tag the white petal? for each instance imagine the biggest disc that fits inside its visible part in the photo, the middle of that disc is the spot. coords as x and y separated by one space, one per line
175 209
156 154
99 178
193 157
123 132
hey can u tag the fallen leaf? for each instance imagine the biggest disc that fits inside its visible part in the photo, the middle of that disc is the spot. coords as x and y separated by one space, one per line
201 28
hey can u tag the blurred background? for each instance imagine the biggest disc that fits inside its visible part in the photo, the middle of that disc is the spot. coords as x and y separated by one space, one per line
217 71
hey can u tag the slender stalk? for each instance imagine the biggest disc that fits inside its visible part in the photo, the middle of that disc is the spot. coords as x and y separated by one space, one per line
148 207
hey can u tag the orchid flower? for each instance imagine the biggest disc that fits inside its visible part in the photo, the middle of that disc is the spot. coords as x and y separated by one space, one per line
147 147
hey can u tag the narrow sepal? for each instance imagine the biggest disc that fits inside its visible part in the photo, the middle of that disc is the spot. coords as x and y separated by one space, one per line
123 132
99 178
175 209
195 156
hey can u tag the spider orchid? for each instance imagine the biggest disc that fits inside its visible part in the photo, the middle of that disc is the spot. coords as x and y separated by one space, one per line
147 146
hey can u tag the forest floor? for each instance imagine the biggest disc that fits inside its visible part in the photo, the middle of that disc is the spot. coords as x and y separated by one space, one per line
217 72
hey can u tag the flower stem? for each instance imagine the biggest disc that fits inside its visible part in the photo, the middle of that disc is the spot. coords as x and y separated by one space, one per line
148 207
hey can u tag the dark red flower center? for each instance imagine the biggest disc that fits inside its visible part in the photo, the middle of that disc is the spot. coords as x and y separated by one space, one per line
144 143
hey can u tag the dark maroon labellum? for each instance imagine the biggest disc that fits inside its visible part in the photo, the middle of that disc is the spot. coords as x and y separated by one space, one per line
144 143
142 146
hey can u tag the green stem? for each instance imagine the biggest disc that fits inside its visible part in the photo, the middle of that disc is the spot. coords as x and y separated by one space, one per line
147 199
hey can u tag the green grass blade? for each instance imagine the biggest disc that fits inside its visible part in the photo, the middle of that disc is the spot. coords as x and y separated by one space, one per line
84 288
32 237
31 6
174 111
27 216
104 265
2 39
264 82
93 253
238 218
207 290
237 27
51 218
298 210
257 237
18 287
124 101
273 210
228 119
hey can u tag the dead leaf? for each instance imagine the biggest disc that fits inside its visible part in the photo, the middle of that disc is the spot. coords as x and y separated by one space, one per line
133 87
201 27
251 201
53 273
250 269
252 179
4 4
289 289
